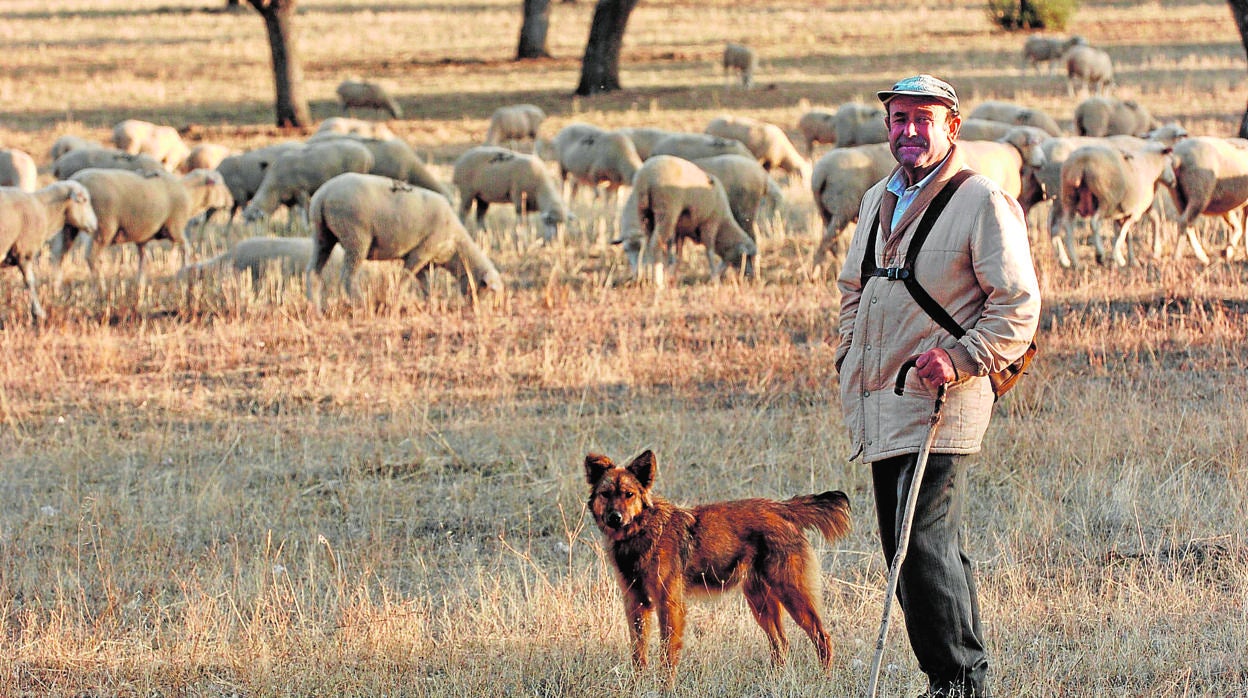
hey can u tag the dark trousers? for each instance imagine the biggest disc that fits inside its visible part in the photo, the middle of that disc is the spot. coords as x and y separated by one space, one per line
936 587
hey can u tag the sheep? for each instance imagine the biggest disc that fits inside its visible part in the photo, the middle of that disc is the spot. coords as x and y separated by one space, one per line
817 126
361 94
1090 67
644 138
676 200
1109 116
742 59
595 157
860 124
293 177
1103 182
1211 178
161 142
1004 161
747 185
394 158
244 172
767 142
141 207
1016 115
982 130
18 169
109 158
488 174
258 255
205 156
695 146
357 127
515 122
66 143
1048 49
29 219
838 181
1047 179
373 217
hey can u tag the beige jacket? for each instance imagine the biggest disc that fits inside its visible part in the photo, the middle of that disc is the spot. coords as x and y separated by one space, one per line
977 264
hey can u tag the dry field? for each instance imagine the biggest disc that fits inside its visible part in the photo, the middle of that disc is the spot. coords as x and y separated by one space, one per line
209 492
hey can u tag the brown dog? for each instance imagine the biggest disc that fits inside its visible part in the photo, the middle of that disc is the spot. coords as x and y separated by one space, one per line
661 551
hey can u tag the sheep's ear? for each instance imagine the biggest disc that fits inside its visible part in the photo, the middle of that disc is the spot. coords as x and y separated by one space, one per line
645 467
596 465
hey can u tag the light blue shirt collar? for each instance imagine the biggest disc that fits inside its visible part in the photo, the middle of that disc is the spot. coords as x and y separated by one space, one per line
907 195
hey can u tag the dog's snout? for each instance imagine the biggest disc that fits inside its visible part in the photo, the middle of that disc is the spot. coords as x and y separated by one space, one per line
614 519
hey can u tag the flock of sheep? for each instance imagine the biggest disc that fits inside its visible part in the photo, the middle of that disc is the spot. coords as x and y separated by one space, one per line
366 194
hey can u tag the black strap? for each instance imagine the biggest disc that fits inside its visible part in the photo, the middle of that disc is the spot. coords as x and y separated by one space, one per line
906 274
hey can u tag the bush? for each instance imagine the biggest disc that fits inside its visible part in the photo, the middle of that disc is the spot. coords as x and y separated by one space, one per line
1032 14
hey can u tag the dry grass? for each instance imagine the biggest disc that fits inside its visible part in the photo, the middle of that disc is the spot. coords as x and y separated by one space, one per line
208 492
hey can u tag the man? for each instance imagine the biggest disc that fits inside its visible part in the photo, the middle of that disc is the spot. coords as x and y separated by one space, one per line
976 264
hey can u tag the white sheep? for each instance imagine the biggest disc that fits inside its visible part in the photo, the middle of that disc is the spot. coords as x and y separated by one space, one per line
748 187
766 141
852 124
839 179
1016 115
1103 183
515 122
394 158
1002 162
695 146
355 127
594 157
1211 179
644 138
108 158
244 172
982 130
817 126
1110 116
137 208
205 156
69 142
1090 67
379 218
1048 177
135 136
677 200
1048 49
29 219
18 169
292 178
361 94
740 58
488 174
288 256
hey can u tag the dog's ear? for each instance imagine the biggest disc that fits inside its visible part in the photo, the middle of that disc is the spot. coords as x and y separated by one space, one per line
596 465
644 467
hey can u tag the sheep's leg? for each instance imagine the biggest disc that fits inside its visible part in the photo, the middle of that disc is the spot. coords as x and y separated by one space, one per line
141 277
350 269
1067 254
1121 245
1236 219
94 250
27 267
60 245
1192 237
321 251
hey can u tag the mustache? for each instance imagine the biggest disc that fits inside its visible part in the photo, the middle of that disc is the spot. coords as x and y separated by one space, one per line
903 142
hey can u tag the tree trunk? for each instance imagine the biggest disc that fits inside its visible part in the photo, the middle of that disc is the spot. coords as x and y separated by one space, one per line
291 102
1239 10
600 69
533 31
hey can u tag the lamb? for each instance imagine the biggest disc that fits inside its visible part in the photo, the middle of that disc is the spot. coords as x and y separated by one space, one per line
141 207
838 182
361 94
747 185
244 172
515 122
258 255
18 169
742 59
1090 67
66 143
1211 179
767 142
355 127
1016 115
108 158
28 219
161 142
489 174
295 175
595 157
644 138
373 217
676 200
1102 182
1048 49
695 146
394 158
1109 116
205 156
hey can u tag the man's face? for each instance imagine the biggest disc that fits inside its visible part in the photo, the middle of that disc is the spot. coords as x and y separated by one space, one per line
920 132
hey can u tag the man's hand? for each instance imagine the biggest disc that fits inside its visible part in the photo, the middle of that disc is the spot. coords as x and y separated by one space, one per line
935 367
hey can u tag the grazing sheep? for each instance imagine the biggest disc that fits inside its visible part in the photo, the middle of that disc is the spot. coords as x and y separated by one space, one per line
1169 134
1048 49
394 158
205 156
1090 67
373 217
66 143
515 122
852 124
108 158
676 200
817 126
596 157
29 219
141 207
767 142
1047 183
161 142
244 172
747 185
489 174
18 169
838 181
695 146
1102 182
288 256
1004 161
1016 115
1211 179
742 59
1109 116
644 138
296 174
360 94
352 127
982 130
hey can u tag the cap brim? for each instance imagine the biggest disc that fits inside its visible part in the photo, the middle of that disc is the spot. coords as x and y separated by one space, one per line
885 96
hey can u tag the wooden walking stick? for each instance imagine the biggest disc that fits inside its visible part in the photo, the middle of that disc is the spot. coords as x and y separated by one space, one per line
907 520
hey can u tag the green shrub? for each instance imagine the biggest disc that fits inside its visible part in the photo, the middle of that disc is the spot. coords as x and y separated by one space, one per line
1032 14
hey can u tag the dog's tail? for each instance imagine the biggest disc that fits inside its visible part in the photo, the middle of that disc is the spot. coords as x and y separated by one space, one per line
828 512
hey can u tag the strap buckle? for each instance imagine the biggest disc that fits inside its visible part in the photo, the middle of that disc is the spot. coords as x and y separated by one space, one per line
892 273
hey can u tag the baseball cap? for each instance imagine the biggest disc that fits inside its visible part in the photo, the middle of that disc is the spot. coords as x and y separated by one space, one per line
922 86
